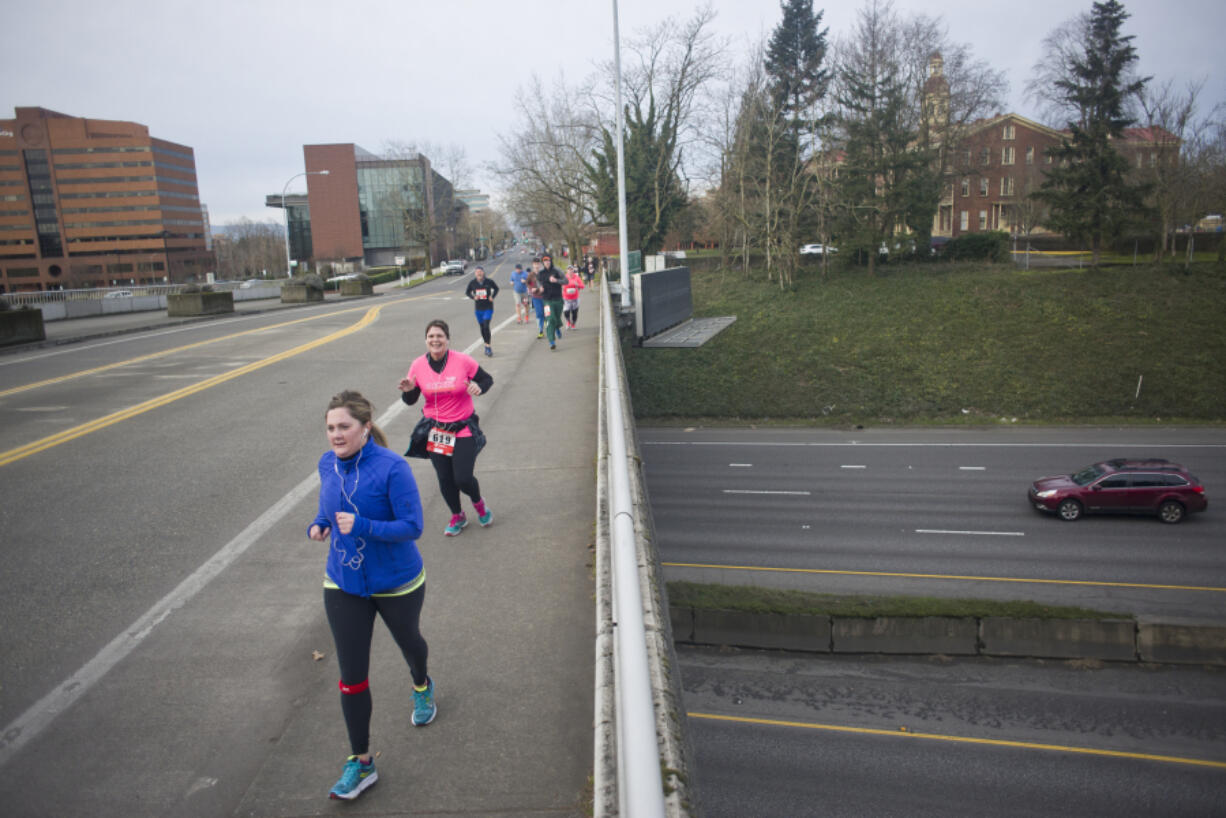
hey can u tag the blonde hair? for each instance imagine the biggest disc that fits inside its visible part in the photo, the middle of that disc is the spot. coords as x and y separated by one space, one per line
362 410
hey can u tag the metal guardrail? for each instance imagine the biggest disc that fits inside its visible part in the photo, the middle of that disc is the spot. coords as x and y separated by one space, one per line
640 723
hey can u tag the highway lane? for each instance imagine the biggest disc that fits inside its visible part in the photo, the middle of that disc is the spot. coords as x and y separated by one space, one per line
99 528
789 735
934 512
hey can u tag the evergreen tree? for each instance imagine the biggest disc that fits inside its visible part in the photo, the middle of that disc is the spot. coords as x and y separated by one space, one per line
794 60
655 193
886 179
1087 189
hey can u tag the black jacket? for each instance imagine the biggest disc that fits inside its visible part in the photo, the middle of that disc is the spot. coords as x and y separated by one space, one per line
551 290
491 291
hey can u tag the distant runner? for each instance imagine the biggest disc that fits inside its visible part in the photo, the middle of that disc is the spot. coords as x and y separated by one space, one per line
482 291
519 283
570 297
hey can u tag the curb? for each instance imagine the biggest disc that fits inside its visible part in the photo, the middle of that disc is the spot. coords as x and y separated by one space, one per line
1114 640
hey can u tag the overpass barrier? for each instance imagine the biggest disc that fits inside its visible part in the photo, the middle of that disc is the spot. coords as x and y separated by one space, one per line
60 305
642 753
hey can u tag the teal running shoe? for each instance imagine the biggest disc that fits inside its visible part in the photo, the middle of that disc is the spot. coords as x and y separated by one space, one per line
458 521
355 778
424 708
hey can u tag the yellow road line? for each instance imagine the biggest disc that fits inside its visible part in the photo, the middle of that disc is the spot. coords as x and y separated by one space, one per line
1026 745
132 411
70 376
906 575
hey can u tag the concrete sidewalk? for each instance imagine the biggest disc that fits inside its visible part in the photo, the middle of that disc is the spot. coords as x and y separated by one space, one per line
509 617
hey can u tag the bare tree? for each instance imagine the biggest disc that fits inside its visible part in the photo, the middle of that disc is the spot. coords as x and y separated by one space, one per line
249 248
542 162
1173 169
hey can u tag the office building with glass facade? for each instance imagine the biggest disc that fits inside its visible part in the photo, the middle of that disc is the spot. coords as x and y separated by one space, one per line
95 203
368 210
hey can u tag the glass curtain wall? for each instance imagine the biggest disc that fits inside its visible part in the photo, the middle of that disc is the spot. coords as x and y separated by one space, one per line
385 193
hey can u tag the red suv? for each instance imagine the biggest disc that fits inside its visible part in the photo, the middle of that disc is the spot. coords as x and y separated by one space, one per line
1121 487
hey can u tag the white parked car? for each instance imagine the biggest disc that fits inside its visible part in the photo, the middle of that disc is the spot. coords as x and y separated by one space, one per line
118 294
817 250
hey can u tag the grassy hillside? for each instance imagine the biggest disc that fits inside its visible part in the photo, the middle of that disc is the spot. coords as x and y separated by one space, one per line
950 344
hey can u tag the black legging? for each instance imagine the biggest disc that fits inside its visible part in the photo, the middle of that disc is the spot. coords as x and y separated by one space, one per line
485 331
352 619
455 473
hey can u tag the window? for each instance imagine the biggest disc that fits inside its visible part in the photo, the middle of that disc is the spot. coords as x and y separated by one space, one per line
1006 155
983 220
1030 155
966 186
1008 134
1116 481
1006 186
1153 159
965 220
983 186
985 156
1047 159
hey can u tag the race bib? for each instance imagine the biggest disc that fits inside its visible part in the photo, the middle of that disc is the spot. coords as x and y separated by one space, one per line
547 311
440 442
479 295
571 292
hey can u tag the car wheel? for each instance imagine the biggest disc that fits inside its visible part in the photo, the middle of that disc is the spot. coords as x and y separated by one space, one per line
1069 510
1171 511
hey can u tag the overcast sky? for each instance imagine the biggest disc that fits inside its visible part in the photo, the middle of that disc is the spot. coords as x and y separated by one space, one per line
246 83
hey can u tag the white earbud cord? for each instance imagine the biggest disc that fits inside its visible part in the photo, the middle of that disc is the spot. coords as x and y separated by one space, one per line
356 560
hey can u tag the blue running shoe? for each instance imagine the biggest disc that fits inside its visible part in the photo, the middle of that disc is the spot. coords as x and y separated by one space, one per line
355 778
487 518
424 708
458 521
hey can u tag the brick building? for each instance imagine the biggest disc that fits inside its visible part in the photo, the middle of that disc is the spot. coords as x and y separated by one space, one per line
93 203
356 214
993 165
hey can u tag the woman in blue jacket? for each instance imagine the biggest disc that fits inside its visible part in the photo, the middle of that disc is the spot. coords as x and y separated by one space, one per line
370 512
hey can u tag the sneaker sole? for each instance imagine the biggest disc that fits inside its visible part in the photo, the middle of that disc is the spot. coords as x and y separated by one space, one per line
365 784
488 522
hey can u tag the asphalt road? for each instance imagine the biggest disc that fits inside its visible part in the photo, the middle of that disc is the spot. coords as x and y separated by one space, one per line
789 735
162 605
932 512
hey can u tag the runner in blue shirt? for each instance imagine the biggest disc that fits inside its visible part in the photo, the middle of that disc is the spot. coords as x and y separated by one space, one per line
519 282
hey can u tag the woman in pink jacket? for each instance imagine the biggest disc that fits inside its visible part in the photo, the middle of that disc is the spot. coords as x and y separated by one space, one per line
450 380
570 297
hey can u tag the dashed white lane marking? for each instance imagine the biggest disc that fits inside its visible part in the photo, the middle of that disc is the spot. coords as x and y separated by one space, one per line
972 468
748 491
741 465
975 533
853 467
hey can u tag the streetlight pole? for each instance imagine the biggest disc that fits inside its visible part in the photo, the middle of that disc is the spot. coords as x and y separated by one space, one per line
289 265
623 241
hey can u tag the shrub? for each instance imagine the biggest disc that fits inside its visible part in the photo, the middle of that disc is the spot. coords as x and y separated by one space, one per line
991 246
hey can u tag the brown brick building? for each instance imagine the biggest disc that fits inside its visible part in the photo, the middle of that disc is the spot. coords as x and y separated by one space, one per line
92 203
362 211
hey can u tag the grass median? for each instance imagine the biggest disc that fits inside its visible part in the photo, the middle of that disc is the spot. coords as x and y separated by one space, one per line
756 599
948 343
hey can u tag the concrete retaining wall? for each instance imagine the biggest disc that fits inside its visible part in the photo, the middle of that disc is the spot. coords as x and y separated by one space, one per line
1117 640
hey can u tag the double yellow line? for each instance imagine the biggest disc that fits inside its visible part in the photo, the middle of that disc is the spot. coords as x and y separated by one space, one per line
75 432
